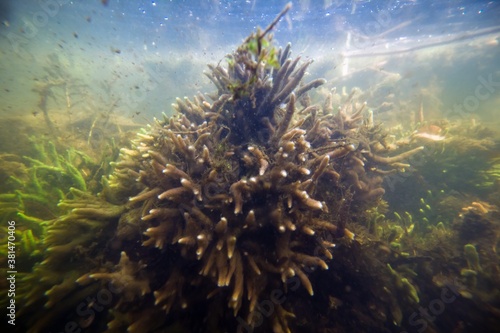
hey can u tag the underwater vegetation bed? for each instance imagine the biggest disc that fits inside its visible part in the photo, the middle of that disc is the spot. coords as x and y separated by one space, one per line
260 207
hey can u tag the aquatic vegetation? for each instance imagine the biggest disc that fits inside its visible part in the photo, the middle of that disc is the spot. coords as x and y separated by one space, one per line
443 244
460 254
253 209
218 206
32 189
33 185
472 257
465 160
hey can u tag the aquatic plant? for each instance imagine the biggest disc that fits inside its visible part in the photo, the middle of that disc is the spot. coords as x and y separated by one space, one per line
32 187
477 231
465 160
211 210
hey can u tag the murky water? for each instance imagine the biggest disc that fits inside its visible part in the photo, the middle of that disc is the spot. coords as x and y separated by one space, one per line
367 201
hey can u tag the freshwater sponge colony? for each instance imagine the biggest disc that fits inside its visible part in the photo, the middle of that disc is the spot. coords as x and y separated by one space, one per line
213 209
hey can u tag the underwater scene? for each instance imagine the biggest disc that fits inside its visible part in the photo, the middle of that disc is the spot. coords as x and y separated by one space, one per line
250 166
